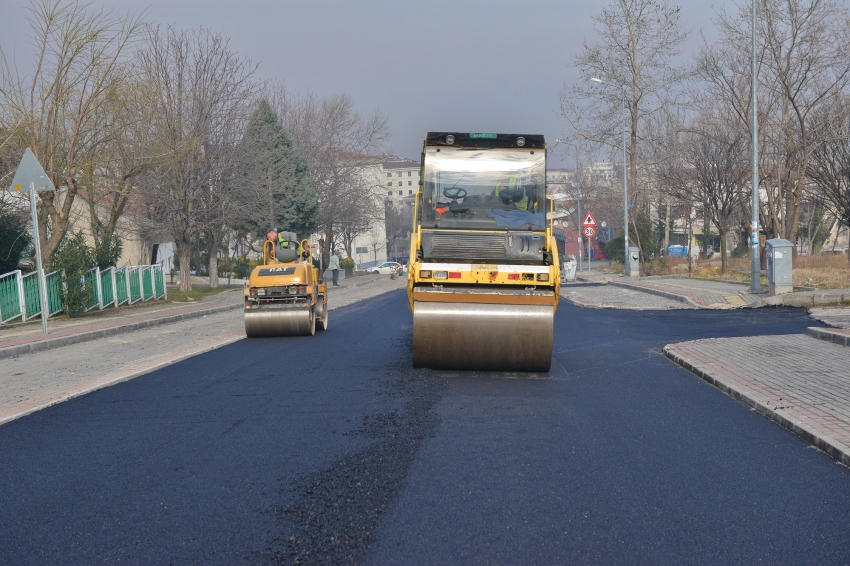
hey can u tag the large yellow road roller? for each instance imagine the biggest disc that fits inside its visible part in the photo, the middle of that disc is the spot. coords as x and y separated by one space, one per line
285 296
484 277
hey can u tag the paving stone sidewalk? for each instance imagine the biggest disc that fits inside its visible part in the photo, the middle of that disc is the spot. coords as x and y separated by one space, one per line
798 381
34 381
696 292
596 296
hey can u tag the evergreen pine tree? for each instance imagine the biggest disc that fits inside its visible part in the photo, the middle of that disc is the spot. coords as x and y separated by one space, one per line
274 189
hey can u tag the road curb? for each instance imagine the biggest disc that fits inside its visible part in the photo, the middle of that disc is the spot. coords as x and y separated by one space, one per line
829 335
59 341
664 294
821 441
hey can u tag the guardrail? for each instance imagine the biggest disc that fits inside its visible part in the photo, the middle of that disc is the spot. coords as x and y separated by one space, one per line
20 299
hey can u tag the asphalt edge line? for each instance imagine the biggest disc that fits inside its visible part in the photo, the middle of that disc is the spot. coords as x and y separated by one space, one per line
59 341
120 379
819 440
829 335
664 294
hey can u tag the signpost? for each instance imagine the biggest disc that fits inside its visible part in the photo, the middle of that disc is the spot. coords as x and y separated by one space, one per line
31 175
589 226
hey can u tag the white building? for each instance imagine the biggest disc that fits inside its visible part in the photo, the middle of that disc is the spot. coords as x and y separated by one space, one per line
401 179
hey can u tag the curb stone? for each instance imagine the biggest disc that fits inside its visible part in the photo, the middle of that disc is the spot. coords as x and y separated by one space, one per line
665 294
821 441
59 341
829 335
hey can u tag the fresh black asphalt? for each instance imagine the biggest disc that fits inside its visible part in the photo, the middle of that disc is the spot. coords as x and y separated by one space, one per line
331 449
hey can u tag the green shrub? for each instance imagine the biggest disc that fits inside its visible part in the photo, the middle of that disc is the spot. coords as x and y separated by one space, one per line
108 251
346 264
14 239
75 257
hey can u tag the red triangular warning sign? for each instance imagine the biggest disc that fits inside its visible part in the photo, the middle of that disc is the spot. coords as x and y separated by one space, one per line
589 220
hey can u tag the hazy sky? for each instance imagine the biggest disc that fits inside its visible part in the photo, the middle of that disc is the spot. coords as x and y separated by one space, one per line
428 65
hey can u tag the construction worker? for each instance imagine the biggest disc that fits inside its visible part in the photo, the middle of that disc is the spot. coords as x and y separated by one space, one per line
512 194
283 241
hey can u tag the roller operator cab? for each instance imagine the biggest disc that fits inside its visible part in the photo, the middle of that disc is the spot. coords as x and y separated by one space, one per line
484 277
285 296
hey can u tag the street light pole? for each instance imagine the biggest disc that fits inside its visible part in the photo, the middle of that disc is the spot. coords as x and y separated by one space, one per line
625 176
755 273
625 186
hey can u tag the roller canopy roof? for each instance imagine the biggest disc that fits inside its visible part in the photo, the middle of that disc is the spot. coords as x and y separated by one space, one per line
532 141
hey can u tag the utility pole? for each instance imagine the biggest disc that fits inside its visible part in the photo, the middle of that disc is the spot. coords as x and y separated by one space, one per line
755 271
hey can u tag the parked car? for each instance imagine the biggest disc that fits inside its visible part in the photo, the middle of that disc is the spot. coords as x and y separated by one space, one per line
385 268
834 250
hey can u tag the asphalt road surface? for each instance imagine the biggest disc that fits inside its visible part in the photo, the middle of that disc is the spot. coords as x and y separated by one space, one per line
331 449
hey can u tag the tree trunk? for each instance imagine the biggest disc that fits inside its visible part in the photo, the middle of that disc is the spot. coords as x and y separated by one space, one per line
667 228
213 244
184 254
722 230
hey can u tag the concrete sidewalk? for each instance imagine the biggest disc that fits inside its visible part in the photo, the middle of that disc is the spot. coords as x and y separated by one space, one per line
695 292
706 294
20 339
802 382
34 381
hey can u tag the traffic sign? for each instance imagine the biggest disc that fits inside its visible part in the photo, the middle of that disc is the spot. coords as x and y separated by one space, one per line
589 220
30 172
589 231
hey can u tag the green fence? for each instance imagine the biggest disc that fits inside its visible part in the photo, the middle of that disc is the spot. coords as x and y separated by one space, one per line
91 283
20 295
147 282
135 284
11 296
107 287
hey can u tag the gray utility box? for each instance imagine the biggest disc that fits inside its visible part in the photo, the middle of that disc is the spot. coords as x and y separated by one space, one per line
568 269
779 254
633 262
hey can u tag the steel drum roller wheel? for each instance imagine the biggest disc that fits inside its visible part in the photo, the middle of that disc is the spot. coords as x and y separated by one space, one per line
322 321
265 322
474 336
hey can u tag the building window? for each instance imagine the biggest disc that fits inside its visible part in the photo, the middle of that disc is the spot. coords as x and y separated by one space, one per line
390 184
419 173
410 173
410 192
389 193
400 183
410 183
389 174
399 173
399 193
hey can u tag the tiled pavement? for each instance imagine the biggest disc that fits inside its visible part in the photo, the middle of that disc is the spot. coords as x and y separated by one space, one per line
611 297
837 317
696 292
798 381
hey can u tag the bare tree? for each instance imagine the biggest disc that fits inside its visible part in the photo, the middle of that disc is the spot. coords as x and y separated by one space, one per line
637 49
198 79
804 56
343 149
79 60
829 163
711 171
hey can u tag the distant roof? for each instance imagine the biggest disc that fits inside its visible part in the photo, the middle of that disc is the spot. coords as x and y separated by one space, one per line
401 163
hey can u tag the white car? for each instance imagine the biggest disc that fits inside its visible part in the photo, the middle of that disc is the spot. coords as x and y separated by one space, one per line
385 268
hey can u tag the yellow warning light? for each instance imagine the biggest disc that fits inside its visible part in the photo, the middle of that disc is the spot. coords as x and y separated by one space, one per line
17 186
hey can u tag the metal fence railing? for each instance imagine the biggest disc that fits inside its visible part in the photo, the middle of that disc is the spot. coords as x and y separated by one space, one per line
20 298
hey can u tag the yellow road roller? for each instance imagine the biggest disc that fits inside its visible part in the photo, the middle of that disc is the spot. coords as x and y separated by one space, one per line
484 276
285 296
